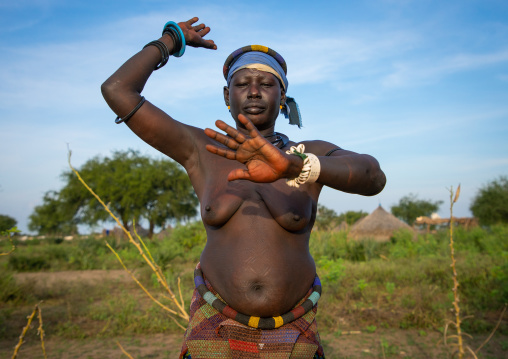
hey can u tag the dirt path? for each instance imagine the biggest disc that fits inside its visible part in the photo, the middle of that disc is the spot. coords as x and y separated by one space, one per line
85 276
380 343
153 346
384 344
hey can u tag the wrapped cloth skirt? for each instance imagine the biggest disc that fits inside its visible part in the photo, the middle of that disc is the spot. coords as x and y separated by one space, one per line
214 333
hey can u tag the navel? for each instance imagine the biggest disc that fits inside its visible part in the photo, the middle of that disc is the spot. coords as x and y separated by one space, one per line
256 287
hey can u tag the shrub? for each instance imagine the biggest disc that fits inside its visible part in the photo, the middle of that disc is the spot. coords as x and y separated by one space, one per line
332 270
28 263
10 290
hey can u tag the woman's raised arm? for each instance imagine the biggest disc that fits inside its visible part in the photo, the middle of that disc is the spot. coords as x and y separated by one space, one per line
122 92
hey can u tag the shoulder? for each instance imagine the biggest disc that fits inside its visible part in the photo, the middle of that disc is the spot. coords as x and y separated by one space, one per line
193 158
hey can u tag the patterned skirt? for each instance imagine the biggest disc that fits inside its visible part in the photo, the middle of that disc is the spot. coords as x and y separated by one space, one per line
211 334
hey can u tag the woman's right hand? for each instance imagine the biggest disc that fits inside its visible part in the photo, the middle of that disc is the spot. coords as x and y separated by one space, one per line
194 35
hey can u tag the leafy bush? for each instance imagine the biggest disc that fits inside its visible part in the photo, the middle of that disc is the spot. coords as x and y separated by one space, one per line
335 245
403 245
10 290
190 235
332 271
28 263
326 244
489 204
189 240
6 222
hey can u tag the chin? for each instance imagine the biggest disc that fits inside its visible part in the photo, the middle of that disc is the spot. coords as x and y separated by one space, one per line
260 121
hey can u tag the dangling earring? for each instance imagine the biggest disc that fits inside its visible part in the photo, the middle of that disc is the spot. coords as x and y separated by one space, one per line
229 107
281 107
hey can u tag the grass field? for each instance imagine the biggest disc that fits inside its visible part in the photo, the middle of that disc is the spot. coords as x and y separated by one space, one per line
379 299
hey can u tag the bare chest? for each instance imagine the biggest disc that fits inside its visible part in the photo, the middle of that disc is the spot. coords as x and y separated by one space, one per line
221 200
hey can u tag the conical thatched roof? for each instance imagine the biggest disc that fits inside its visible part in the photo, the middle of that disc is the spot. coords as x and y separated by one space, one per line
165 233
378 225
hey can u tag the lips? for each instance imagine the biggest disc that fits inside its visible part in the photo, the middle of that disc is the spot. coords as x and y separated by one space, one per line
254 109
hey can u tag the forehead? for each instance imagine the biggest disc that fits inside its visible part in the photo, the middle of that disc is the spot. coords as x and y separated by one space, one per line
254 73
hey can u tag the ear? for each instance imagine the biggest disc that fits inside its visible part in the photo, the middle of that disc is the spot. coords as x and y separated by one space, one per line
226 95
282 96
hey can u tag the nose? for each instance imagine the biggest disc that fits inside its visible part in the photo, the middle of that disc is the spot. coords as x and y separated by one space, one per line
254 91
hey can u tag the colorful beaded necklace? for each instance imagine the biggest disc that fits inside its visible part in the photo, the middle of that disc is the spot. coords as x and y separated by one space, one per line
252 321
280 140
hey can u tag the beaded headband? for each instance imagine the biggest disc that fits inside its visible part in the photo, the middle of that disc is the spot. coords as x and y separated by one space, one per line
242 50
290 109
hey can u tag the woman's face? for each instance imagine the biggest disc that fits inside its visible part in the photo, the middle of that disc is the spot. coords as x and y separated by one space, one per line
255 94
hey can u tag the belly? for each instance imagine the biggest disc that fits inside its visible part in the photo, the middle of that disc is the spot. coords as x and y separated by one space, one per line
258 267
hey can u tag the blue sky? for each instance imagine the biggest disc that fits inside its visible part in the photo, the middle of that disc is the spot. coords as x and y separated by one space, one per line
420 85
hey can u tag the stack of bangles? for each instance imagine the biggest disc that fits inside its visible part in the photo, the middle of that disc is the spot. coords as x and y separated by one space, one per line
311 166
175 32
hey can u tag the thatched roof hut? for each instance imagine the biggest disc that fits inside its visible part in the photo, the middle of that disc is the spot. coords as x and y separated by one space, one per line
165 233
378 225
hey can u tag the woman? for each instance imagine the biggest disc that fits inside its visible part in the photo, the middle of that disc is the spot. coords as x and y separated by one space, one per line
258 194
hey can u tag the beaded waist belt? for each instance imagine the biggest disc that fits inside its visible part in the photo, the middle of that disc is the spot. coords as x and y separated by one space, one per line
252 321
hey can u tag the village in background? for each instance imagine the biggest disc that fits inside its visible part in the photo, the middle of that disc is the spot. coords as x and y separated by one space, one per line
401 284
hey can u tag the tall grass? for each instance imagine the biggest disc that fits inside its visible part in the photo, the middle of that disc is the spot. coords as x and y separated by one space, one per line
403 283
411 277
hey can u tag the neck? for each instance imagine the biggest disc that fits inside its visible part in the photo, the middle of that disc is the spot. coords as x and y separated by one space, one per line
275 138
264 132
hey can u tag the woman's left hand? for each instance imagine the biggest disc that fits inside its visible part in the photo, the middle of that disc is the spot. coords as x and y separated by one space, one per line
194 34
264 161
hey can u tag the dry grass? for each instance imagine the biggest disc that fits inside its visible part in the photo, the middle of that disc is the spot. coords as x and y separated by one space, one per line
37 310
148 258
459 345
366 305
123 350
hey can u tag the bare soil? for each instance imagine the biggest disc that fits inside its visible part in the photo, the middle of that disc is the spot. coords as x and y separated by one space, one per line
382 344
50 279
350 342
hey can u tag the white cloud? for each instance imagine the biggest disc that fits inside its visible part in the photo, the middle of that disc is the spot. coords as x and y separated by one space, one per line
432 69
66 75
49 92
331 58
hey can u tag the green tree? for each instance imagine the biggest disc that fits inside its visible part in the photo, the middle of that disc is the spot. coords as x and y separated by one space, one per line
410 207
351 217
134 187
490 205
168 195
53 216
6 222
326 218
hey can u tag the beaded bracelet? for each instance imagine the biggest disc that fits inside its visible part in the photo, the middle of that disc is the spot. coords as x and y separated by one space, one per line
176 42
164 52
310 170
178 37
250 320
119 120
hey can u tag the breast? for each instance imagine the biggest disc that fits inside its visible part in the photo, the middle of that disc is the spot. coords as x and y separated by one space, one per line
222 200
293 209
